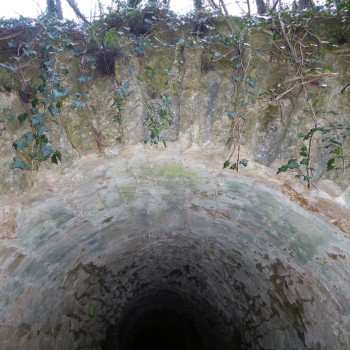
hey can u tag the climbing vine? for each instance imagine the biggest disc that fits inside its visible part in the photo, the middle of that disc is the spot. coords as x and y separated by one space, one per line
51 47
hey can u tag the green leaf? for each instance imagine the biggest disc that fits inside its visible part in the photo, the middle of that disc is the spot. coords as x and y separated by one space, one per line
11 117
292 164
29 137
84 79
18 163
35 102
29 52
22 117
251 82
166 100
46 150
56 157
337 151
42 130
233 115
93 309
305 161
335 141
8 67
303 151
330 164
79 104
39 120
282 169
19 145
162 112
226 164
11 45
139 46
244 162
54 110
151 74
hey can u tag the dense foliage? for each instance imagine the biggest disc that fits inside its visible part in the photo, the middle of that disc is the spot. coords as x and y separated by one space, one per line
44 43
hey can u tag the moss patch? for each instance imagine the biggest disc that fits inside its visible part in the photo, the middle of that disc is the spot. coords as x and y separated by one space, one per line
270 114
176 170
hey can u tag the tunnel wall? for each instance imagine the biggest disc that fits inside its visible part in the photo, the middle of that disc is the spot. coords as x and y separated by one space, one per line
97 249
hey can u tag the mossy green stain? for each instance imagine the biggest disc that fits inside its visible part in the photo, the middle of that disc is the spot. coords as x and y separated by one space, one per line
269 116
176 170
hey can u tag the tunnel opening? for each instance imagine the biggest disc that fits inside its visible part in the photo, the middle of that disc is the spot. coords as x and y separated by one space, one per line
167 320
164 329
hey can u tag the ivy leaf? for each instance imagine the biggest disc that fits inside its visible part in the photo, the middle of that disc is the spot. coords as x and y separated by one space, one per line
11 45
55 110
11 117
305 161
29 137
84 79
335 141
22 117
251 82
303 151
282 169
226 164
151 74
18 163
35 102
19 145
139 46
292 164
162 112
337 151
46 150
181 42
244 162
29 52
233 115
79 104
56 157
42 130
8 67
330 164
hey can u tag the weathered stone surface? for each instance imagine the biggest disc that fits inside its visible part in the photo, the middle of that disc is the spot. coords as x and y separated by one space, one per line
113 233
121 228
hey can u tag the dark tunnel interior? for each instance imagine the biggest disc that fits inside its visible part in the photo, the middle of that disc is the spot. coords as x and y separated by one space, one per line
185 272
166 320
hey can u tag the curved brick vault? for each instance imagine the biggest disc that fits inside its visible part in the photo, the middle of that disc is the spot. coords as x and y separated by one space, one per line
121 254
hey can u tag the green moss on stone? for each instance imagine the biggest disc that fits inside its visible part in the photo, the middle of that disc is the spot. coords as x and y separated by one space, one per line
175 170
270 114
